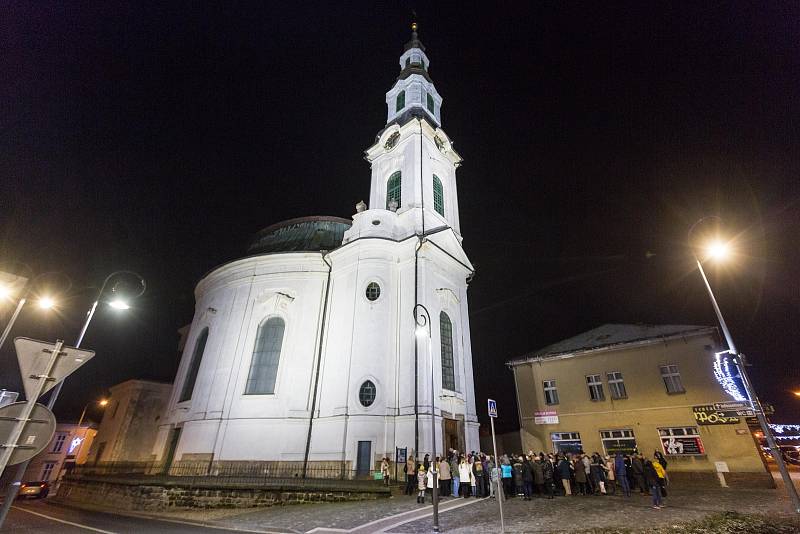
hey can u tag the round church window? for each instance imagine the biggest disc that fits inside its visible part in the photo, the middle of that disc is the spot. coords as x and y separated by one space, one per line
366 395
373 291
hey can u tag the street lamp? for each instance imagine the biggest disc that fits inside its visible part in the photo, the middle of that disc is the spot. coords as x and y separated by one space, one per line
720 250
422 318
24 287
13 488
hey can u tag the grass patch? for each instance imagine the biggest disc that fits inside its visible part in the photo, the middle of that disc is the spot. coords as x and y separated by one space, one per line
720 523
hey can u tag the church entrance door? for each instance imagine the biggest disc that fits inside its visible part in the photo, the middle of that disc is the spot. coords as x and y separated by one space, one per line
364 458
451 434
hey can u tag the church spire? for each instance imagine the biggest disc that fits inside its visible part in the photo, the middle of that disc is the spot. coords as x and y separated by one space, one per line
413 94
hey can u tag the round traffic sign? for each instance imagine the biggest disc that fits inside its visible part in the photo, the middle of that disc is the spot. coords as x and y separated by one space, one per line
36 434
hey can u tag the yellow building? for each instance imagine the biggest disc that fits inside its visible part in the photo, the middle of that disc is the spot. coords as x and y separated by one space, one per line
638 387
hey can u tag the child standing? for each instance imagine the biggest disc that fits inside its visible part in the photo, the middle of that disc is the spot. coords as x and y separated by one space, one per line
421 484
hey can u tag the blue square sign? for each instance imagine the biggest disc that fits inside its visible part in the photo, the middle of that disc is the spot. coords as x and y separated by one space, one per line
492 407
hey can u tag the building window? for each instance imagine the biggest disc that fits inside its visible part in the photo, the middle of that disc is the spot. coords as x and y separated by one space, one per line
614 441
373 291
114 411
58 444
616 385
408 61
438 195
431 104
550 392
366 393
394 189
266 356
401 101
47 471
194 366
595 388
682 440
446 338
565 442
672 379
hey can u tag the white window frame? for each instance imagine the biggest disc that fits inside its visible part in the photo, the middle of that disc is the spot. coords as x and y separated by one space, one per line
680 432
596 387
571 437
615 434
550 388
48 469
616 385
668 376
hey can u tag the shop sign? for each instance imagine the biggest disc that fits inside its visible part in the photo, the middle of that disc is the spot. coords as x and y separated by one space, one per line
687 445
720 413
545 418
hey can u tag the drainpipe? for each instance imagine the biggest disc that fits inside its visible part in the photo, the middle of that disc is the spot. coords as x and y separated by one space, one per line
319 363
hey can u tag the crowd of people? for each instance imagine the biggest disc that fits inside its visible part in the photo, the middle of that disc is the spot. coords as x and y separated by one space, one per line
538 475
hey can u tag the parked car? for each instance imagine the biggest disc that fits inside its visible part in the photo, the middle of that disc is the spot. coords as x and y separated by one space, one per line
35 490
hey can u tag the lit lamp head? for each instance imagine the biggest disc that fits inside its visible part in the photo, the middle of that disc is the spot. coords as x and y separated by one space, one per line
5 291
718 250
46 303
119 304
421 331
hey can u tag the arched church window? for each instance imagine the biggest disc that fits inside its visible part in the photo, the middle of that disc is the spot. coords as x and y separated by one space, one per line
438 195
194 365
446 337
266 356
373 291
431 104
366 393
401 101
394 189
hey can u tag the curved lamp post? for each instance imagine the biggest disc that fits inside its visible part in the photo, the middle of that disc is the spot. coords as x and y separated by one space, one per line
117 302
422 318
719 251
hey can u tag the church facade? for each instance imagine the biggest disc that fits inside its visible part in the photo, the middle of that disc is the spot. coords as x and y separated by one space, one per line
305 349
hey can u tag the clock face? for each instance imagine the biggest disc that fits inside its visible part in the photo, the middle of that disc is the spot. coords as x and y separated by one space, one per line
439 143
392 141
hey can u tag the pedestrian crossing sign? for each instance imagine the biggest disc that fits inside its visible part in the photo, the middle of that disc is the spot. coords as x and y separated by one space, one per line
492 407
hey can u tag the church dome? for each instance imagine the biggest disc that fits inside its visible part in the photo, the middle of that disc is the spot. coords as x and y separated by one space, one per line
304 234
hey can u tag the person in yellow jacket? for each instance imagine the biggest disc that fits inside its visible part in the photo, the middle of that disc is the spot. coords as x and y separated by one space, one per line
662 477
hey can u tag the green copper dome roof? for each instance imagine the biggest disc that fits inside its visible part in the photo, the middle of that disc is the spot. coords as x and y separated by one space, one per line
305 234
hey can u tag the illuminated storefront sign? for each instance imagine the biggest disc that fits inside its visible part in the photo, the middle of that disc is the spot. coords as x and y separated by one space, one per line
681 441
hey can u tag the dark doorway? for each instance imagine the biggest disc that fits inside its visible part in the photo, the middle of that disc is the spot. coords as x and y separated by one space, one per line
451 434
172 444
364 458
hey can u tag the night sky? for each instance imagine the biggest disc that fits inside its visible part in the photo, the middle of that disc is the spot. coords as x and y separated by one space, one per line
159 137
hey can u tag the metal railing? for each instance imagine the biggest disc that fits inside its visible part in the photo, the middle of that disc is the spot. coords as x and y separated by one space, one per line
328 474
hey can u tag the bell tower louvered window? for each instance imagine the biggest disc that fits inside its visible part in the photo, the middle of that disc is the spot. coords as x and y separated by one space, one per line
394 189
401 101
438 195
448 365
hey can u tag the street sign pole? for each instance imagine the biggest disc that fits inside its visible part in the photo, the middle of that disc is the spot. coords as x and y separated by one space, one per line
42 379
498 473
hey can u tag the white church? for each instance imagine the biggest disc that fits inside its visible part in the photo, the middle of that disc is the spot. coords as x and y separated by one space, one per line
305 349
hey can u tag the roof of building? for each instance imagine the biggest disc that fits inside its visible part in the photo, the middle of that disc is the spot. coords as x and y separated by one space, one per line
305 234
611 336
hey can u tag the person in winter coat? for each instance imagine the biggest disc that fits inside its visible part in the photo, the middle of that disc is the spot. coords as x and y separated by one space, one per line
385 471
622 474
477 474
411 475
421 484
465 476
637 465
494 476
587 468
565 473
662 477
518 486
538 476
651 479
580 476
454 474
547 473
597 468
473 481
426 462
507 474
527 478
611 476
444 477
486 475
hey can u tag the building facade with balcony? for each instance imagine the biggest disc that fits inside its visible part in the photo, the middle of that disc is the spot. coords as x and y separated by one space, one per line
641 388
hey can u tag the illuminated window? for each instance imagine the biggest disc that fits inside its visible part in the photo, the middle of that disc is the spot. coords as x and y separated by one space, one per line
622 441
672 379
194 365
266 356
595 388
616 385
373 291
438 195
446 340
58 444
366 393
566 442
394 189
431 104
401 101
550 392
682 440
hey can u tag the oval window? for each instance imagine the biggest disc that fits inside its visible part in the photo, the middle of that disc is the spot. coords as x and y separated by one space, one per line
366 394
373 291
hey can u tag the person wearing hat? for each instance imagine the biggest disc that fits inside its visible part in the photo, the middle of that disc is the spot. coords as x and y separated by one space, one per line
421 484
